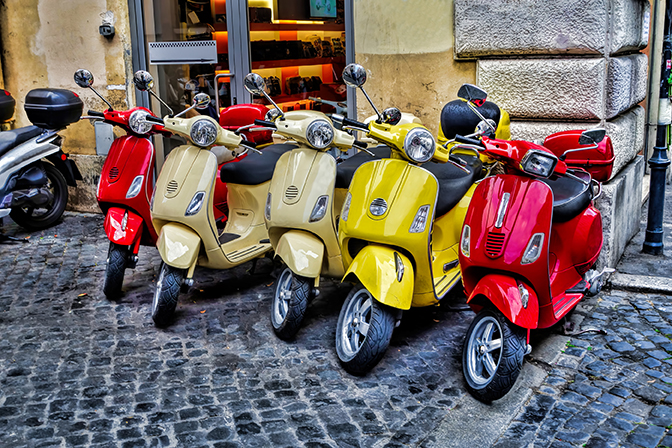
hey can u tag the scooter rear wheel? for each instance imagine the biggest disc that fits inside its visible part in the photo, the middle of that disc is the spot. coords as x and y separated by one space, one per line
363 332
166 293
289 304
33 218
117 260
492 356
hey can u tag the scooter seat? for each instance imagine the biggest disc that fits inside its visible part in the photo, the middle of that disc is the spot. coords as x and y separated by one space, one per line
570 196
256 168
453 182
346 169
12 139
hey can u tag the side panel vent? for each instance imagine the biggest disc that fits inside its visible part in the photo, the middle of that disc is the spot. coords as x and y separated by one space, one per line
494 243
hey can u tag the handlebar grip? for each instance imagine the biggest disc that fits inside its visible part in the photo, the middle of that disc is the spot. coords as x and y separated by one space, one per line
467 140
95 113
360 144
153 119
268 124
248 143
354 123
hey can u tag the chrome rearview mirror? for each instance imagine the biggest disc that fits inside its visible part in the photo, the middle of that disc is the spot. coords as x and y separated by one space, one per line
256 85
475 97
592 136
84 79
201 100
392 115
143 80
354 75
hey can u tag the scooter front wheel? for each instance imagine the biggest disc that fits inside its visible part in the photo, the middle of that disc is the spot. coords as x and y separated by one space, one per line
492 356
290 301
166 293
117 260
363 332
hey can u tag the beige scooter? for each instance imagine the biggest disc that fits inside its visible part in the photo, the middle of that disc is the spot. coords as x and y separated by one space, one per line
182 207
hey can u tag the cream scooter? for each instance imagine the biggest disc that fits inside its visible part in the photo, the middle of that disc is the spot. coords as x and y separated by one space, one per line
182 208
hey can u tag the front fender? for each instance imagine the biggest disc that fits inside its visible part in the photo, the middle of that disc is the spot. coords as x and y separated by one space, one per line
302 252
502 291
375 267
119 234
178 245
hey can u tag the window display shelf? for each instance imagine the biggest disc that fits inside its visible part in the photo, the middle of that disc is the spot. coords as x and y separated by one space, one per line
221 26
256 65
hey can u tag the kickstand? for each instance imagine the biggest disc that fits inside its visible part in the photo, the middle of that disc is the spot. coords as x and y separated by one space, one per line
569 329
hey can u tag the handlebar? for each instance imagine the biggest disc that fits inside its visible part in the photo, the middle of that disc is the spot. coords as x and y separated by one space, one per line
468 141
155 120
268 124
355 124
95 113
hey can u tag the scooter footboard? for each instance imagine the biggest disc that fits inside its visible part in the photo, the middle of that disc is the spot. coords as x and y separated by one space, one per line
386 273
123 226
302 252
178 245
504 293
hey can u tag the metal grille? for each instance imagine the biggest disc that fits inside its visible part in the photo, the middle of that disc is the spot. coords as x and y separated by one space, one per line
114 173
494 244
292 192
171 187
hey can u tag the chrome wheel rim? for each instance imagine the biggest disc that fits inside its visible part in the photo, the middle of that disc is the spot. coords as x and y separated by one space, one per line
283 294
356 322
484 350
157 291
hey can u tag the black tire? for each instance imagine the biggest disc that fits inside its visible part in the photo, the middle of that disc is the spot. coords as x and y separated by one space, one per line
26 217
289 303
359 349
166 294
507 359
117 260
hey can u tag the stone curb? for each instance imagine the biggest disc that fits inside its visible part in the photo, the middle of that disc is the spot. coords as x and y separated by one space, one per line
641 283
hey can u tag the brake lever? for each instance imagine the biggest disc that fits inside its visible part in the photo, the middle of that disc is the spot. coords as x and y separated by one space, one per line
89 117
259 129
459 166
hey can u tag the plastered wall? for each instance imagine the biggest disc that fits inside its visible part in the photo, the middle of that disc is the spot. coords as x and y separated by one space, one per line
407 48
43 42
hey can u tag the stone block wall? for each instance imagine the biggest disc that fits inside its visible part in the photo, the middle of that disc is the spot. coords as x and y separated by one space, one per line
568 64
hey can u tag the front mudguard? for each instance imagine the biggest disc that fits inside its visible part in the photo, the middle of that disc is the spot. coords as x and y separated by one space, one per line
502 291
119 234
302 252
178 245
376 269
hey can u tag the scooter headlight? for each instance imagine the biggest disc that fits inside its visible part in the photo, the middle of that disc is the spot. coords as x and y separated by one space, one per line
320 209
195 204
419 145
267 209
203 132
533 249
465 243
320 134
135 187
346 207
420 221
538 163
137 122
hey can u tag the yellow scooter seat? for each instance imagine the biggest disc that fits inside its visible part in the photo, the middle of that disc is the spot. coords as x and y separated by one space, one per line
346 169
454 182
255 168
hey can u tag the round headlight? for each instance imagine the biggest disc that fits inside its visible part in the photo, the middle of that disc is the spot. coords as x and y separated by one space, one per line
203 132
419 145
137 122
320 134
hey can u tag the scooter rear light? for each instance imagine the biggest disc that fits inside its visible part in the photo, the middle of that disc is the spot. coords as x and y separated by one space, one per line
533 249
465 242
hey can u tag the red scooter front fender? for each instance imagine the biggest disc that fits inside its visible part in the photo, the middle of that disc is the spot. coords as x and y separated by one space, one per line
505 293
117 232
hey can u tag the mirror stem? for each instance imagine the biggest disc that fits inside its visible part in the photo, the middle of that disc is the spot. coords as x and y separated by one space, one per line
282 115
151 92
102 98
380 117
475 110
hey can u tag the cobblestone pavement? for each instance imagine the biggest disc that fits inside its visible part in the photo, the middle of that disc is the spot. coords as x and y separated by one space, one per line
76 369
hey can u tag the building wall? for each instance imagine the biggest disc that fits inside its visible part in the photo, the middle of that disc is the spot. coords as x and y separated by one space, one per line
407 49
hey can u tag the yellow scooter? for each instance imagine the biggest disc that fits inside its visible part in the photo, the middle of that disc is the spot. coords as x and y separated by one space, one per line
182 206
399 232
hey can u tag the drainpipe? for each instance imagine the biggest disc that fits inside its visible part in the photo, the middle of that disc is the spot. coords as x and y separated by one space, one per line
658 163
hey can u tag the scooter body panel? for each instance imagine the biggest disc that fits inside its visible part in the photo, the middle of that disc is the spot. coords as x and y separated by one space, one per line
301 177
178 245
376 268
120 233
404 188
504 214
503 292
23 155
130 156
302 252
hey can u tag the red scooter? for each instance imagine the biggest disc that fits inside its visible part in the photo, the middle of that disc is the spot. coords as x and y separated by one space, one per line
529 241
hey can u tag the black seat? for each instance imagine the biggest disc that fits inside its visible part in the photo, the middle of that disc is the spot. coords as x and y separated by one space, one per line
13 138
256 168
570 196
346 169
454 182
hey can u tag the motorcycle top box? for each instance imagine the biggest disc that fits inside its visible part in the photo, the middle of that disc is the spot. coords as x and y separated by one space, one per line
597 160
53 108
7 104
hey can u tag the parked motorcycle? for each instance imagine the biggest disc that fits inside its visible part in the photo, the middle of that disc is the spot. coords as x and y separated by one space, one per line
398 232
529 241
34 171
182 208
